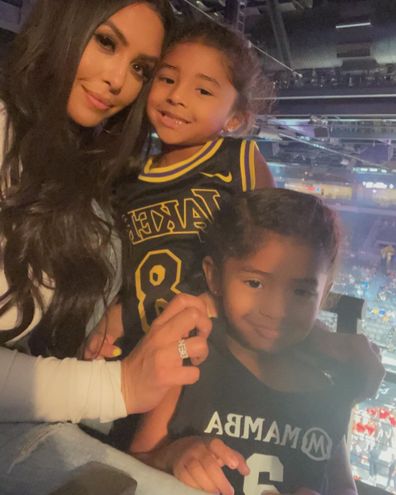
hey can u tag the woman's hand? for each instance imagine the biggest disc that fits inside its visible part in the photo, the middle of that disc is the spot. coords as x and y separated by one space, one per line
198 462
210 303
155 365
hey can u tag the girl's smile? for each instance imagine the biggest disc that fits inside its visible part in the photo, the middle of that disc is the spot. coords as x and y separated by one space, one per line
192 98
271 298
171 120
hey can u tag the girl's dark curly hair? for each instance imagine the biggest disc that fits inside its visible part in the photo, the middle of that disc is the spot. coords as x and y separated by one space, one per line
55 179
241 225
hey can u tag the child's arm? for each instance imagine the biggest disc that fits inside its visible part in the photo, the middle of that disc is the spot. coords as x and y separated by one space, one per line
195 461
339 473
100 342
152 431
355 351
262 172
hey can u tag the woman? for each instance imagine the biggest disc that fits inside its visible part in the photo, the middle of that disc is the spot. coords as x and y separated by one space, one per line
72 114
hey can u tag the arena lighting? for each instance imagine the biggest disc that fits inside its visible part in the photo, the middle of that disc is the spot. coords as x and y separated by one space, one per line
364 170
353 24
377 185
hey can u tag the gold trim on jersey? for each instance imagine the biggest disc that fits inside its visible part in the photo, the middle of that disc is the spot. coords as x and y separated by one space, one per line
247 165
252 168
242 164
171 172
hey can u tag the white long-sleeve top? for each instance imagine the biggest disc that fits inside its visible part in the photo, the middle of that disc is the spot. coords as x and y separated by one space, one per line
50 389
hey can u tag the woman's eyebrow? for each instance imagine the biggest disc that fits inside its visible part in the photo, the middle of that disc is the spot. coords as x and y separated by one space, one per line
117 32
125 42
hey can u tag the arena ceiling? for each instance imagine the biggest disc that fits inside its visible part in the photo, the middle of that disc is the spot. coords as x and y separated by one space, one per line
333 63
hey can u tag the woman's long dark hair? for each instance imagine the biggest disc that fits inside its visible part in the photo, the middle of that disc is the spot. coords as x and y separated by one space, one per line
55 175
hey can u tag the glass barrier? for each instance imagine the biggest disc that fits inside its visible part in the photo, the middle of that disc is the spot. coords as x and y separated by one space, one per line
368 272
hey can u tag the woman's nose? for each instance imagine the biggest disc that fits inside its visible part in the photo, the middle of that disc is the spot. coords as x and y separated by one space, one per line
115 76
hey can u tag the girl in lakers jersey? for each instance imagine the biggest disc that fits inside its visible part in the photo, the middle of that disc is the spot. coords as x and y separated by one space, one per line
261 419
203 90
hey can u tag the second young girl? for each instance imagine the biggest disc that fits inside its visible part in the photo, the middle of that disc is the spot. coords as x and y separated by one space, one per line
259 409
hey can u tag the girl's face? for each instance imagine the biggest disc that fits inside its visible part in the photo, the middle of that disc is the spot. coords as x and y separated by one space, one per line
192 98
120 56
271 298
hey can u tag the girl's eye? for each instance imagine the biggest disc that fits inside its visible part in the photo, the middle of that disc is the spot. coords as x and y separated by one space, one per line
205 92
254 284
105 41
304 293
166 79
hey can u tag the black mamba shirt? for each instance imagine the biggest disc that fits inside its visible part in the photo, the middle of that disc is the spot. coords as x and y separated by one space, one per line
286 438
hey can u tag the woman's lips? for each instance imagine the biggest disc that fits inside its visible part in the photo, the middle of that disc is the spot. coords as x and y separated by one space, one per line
98 101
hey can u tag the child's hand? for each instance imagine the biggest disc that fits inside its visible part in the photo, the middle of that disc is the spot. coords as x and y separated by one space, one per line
355 351
100 342
199 461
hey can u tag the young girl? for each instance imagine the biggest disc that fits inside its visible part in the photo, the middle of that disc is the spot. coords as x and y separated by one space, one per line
204 88
260 419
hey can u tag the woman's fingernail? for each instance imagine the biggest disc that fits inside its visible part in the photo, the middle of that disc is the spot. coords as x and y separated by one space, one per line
116 352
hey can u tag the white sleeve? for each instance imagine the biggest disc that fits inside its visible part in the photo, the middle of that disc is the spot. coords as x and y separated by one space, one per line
51 390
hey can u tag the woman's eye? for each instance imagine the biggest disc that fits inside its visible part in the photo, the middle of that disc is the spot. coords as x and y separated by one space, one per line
105 42
142 71
205 92
254 284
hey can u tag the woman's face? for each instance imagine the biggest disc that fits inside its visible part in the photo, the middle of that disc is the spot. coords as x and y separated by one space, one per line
118 59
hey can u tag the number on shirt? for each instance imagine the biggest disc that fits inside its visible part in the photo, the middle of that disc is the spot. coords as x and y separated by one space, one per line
261 463
156 280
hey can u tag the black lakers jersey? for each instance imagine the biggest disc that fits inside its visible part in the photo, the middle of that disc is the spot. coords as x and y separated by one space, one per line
166 211
286 438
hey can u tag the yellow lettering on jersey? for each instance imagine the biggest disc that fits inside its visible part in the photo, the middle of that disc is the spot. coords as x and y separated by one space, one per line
209 199
194 218
173 217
